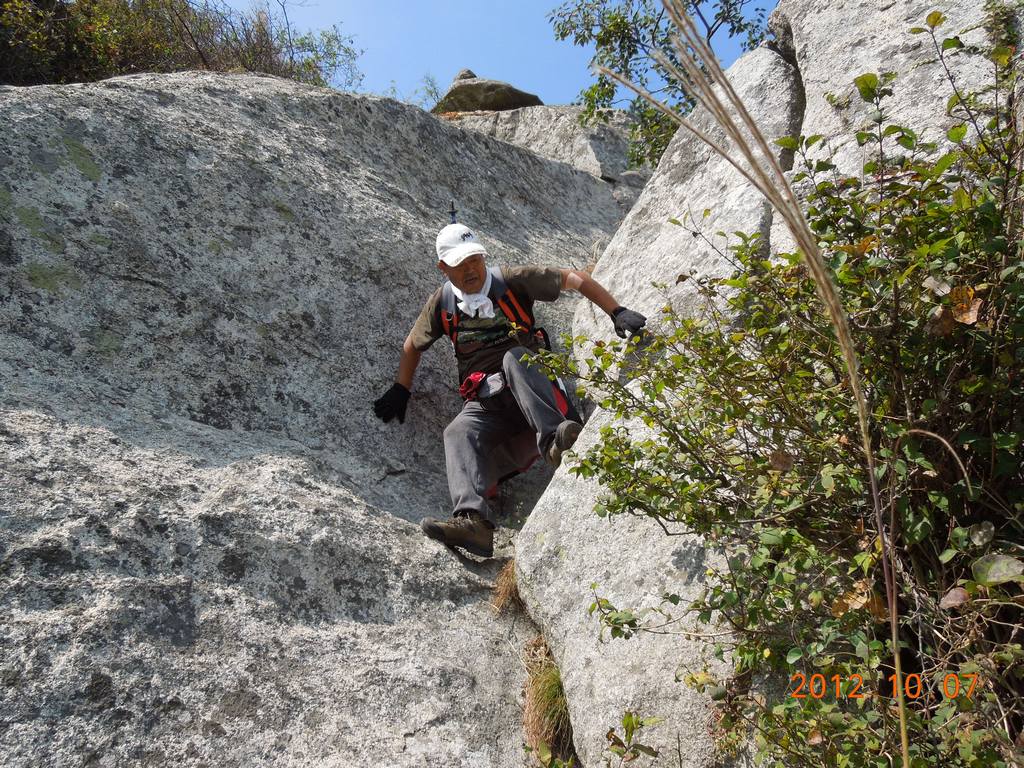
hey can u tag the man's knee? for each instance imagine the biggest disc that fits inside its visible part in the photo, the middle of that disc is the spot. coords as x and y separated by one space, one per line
463 434
456 431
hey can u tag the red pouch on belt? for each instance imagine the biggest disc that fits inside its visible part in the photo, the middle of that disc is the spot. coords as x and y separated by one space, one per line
472 383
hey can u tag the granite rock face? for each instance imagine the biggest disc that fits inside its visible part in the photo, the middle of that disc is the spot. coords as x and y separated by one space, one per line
561 551
555 132
832 43
208 544
600 149
690 179
469 92
175 594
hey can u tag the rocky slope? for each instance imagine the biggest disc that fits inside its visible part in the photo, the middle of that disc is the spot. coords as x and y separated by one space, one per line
208 549
555 132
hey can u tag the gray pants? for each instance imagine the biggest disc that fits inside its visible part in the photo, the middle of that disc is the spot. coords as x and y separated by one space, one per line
527 404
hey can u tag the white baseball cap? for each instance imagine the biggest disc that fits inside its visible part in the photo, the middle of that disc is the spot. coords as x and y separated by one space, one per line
456 243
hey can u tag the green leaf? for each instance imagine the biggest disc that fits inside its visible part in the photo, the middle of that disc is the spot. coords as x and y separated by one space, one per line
543 752
1009 271
995 569
944 163
957 133
867 86
788 142
935 19
918 530
952 42
1001 56
772 537
947 555
794 655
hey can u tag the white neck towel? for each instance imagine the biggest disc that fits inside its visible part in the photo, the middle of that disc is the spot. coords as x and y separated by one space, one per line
476 304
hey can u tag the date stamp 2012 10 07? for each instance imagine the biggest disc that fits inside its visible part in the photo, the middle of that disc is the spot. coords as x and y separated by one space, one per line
817 686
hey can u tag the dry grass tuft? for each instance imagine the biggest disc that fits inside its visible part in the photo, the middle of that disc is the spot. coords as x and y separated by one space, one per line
546 713
505 594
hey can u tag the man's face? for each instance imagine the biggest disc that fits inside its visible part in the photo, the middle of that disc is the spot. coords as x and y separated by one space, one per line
469 276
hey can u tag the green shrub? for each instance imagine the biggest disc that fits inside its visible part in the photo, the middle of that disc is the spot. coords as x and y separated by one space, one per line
85 40
752 440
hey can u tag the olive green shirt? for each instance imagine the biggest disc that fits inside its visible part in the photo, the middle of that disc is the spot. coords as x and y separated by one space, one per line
483 341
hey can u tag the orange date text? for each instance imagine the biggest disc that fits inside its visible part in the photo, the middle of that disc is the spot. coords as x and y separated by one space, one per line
817 686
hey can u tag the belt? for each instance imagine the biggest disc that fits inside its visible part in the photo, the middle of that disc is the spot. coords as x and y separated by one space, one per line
479 385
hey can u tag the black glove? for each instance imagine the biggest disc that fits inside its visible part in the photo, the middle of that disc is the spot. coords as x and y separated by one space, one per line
628 322
392 404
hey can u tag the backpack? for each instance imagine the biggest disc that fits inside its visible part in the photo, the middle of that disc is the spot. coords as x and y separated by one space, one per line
503 297
520 319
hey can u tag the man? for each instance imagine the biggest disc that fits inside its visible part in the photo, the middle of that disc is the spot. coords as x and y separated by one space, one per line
512 412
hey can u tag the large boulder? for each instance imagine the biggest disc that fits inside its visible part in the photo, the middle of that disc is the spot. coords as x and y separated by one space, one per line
469 92
832 43
564 548
208 544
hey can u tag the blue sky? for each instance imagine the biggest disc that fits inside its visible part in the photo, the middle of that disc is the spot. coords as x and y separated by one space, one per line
510 40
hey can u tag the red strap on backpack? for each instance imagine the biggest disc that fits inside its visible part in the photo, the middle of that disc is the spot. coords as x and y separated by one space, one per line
450 325
527 320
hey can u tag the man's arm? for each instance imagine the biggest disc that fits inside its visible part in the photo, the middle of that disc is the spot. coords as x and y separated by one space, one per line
627 322
393 403
407 363
577 280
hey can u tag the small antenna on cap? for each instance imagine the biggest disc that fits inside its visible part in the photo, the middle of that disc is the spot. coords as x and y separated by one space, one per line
452 211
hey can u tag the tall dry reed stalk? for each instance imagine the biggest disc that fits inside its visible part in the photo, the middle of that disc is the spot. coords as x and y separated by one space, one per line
751 155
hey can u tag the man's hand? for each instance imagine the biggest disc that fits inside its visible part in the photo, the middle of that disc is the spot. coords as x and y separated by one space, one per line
628 322
392 404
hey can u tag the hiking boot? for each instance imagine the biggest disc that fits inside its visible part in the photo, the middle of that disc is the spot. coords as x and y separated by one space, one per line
470 532
565 437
